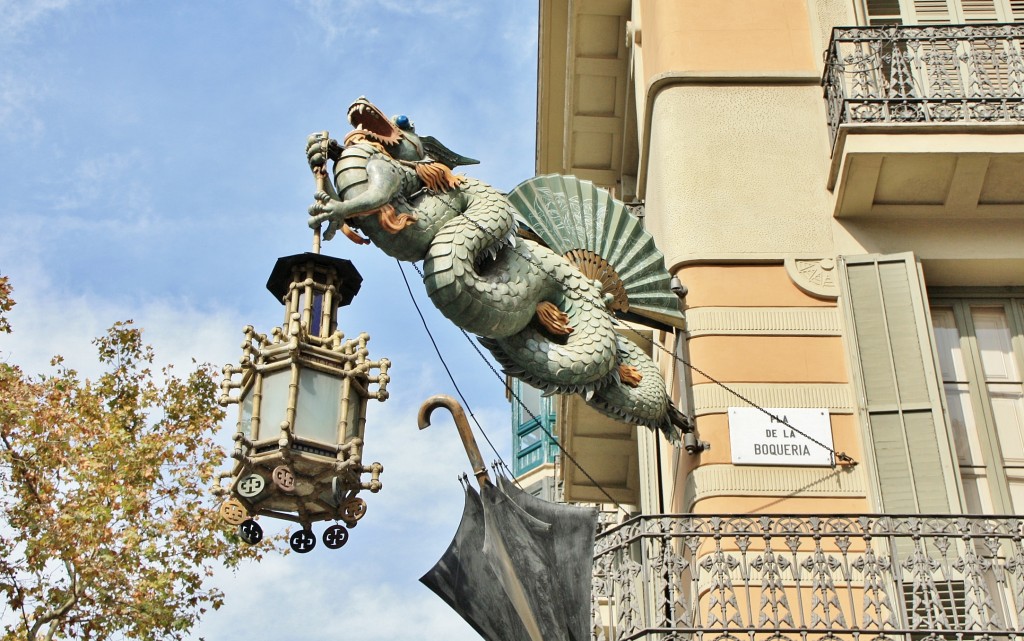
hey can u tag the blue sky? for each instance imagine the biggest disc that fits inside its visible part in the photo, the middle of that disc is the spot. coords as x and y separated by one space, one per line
153 168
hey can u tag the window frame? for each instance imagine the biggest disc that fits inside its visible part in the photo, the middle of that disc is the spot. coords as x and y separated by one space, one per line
1004 12
961 300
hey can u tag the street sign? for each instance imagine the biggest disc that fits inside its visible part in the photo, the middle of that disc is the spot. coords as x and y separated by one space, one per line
759 439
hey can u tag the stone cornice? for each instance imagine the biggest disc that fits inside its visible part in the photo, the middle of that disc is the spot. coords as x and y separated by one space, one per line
737 480
709 398
766 321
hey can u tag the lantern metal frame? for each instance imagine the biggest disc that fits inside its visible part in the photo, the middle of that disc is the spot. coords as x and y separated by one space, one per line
287 469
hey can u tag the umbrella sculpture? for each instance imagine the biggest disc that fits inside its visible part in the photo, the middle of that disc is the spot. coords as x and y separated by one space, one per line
519 568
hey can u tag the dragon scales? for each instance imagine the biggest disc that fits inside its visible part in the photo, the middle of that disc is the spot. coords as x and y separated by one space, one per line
543 320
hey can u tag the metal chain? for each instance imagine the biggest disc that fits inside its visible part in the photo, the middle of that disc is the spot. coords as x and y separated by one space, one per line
451 377
522 405
834 455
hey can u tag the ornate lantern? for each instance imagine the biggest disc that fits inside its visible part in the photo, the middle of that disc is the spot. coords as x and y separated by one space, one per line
302 394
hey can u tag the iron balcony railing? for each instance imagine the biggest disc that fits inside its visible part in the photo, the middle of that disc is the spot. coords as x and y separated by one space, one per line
924 74
810 578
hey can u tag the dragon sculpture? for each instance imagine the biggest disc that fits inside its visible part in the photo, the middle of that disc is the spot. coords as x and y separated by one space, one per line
489 262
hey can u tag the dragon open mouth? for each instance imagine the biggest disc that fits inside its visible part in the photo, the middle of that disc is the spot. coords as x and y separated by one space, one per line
365 117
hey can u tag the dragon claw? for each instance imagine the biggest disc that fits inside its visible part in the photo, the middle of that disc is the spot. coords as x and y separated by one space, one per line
354 236
553 319
629 375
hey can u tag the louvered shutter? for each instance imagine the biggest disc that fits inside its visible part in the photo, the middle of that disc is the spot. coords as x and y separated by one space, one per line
931 12
943 11
956 11
890 343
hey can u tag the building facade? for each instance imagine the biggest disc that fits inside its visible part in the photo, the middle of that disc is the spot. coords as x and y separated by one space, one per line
839 185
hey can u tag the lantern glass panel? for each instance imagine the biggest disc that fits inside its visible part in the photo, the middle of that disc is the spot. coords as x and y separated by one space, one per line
316 412
317 311
274 403
245 414
355 408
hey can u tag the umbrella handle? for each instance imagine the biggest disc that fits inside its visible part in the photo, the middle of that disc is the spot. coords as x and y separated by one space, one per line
465 432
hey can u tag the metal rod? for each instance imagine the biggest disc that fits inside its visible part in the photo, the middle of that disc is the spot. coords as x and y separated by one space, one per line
320 175
465 432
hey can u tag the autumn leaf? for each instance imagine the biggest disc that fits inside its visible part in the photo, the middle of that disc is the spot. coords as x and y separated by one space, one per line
109 526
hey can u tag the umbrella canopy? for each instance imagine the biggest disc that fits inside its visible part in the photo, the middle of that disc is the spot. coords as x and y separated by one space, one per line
519 568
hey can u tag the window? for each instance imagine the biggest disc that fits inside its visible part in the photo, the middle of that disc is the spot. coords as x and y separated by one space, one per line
943 11
980 344
531 404
532 437
927 71
532 421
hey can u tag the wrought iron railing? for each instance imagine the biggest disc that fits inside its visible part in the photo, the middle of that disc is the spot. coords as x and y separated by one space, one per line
810 578
924 74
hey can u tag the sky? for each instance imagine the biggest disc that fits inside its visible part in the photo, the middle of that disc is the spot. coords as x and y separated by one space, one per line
152 168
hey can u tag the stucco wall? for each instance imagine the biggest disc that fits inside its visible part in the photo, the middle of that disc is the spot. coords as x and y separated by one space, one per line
726 35
754 330
953 252
738 172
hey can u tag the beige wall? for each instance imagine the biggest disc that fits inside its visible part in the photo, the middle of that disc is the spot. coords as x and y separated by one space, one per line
953 252
771 359
783 358
749 286
738 172
778 505
725 35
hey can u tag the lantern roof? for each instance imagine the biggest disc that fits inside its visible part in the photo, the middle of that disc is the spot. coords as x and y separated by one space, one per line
281 276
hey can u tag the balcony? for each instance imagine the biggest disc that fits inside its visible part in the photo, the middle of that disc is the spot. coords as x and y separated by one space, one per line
789 578
926 121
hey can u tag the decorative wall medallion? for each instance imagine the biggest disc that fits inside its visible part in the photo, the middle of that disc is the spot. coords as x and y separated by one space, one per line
816 277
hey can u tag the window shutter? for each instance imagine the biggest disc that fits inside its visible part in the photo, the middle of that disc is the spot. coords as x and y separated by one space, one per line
931 12
891 351
884 11
980 11
943 11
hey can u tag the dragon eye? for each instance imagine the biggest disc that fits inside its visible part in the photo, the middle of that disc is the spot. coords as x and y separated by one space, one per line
402 122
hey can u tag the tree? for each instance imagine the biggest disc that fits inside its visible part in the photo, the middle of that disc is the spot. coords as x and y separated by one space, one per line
108 526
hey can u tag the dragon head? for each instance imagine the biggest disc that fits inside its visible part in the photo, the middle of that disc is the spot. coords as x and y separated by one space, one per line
396 135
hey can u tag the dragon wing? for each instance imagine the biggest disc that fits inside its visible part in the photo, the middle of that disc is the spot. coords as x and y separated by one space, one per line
605 241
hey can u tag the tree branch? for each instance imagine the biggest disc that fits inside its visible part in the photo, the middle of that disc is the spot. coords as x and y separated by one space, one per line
17 588
58 613
17 458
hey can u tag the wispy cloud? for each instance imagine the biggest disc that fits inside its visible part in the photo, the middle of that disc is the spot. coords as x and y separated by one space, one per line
48 320
18 96
17 16
320 600
111 180
370 18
